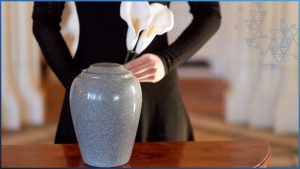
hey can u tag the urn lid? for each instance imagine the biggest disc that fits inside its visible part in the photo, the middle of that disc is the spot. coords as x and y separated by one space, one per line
104 70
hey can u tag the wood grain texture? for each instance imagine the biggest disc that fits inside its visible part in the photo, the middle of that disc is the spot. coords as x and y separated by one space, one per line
152 154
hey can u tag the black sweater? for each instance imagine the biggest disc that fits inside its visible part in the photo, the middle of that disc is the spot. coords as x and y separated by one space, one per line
103 39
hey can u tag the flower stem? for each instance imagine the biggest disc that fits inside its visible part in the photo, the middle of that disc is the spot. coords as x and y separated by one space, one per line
127 56
134 55
130 56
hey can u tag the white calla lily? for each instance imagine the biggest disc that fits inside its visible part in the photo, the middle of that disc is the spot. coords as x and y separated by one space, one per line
137 15
162 21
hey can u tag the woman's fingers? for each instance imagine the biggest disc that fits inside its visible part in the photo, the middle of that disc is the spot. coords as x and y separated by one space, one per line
141 68
136 62
139 65
146 68
148 73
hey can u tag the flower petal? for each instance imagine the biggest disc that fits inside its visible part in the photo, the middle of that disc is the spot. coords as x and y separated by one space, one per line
131 38
141 11
163 19
137 16
157 8
144 41
125 12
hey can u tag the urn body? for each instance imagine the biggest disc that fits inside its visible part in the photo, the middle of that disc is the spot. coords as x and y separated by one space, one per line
105 102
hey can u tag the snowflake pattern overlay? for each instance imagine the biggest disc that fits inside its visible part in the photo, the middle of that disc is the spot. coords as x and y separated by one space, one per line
274 46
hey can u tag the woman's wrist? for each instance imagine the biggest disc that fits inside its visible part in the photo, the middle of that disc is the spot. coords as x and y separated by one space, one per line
165 60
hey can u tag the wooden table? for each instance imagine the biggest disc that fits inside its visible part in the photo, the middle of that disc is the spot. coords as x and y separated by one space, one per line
151 154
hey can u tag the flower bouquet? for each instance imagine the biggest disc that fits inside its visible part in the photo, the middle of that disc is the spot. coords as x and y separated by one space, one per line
144 22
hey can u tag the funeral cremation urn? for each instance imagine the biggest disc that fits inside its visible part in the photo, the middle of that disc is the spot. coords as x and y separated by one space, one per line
105 101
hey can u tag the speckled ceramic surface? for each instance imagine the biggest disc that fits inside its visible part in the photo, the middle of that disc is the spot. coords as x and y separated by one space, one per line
105 102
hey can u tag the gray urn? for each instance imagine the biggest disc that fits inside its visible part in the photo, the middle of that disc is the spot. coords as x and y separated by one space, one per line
105 102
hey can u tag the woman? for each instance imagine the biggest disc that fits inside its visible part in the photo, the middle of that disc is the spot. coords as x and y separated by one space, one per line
103 39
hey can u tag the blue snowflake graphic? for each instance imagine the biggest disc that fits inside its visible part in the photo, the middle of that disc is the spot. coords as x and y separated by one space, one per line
272 47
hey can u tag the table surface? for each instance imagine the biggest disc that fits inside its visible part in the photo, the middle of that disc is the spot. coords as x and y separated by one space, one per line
147 154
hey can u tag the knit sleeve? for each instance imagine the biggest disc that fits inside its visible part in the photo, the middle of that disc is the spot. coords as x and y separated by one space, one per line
46 29
206 21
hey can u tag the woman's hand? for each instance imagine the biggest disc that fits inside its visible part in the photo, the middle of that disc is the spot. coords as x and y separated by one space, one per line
147 68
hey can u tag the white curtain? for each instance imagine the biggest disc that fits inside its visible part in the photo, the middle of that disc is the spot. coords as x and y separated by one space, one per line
264 88
22 98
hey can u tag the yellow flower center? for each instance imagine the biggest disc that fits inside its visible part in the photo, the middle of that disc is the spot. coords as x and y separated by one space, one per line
136 24
150 31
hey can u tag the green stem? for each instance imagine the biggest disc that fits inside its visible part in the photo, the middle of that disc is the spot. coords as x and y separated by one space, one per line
127 56
130 56
134 55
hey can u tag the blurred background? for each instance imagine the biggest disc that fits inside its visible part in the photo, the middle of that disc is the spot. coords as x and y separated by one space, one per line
243 84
